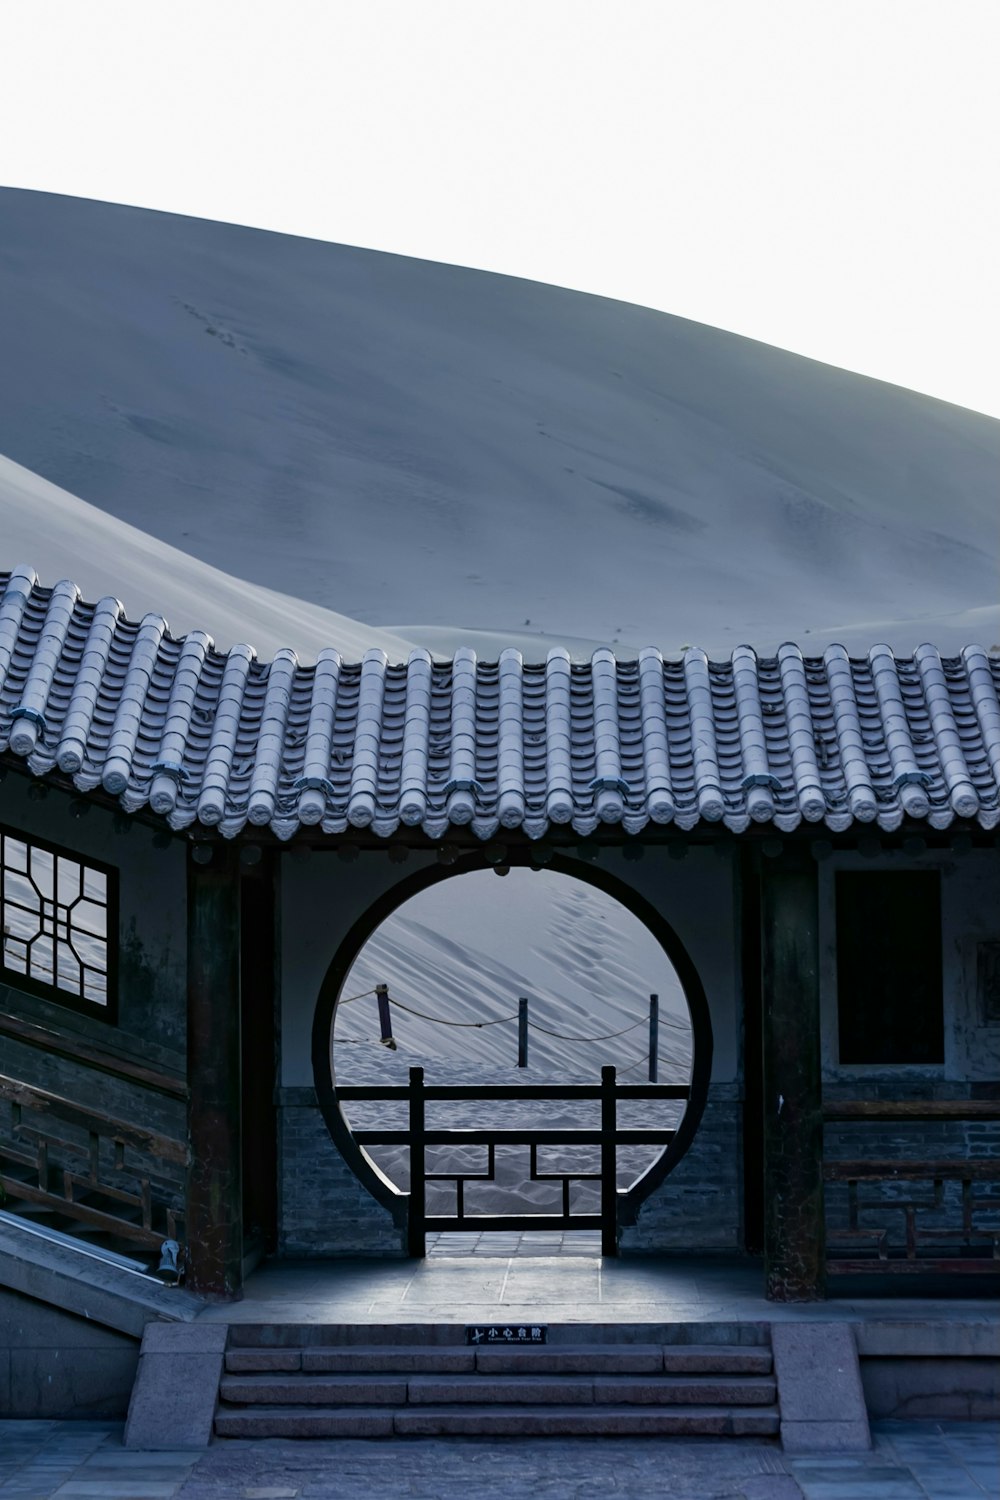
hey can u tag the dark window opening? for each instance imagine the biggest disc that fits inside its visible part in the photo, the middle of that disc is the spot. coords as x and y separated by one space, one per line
889 985
59 923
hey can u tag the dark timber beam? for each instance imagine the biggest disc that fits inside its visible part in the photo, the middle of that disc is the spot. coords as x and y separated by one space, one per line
259 981
794 1248
214 1228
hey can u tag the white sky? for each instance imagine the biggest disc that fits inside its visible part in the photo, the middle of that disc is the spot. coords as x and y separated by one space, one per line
820 174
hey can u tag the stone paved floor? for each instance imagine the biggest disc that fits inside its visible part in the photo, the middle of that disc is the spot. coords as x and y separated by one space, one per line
910 1461
527 1242
529 1284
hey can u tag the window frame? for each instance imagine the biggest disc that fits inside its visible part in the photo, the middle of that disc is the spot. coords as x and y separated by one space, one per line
914 1067
13 979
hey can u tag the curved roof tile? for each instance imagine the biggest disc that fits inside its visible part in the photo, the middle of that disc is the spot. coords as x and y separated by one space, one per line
224 739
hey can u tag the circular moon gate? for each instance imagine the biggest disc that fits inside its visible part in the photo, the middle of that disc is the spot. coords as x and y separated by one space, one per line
376 1182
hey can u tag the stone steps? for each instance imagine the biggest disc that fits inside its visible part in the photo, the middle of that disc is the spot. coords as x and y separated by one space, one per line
356 1390
509 1390
498 1421
618 1359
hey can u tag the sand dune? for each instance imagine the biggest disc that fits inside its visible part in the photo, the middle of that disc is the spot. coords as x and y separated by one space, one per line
398 440
61 536
467 949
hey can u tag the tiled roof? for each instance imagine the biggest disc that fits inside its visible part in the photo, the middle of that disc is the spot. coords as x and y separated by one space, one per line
226 740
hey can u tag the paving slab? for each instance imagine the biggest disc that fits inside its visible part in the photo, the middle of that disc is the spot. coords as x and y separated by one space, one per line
503 1391
389 1359
634 1359
176 1386
555 1288
246 1361
819 1387
315 1390
301 1422
703 1390
583 1421
910 1461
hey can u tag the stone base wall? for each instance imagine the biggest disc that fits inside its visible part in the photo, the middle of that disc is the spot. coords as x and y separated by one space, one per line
323 1209
955 1390
55 1365
699 1206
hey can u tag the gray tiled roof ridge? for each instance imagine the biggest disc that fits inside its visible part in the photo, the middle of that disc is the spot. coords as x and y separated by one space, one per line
224 740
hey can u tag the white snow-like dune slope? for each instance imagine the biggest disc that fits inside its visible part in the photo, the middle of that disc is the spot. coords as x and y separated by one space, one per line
592 969
493 461
106 556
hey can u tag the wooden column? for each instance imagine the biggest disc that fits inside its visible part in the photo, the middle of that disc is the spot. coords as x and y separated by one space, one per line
609 1161
259 991
794 1239
416 1225
214 1230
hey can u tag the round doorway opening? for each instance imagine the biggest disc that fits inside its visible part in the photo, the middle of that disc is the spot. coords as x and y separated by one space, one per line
536 1016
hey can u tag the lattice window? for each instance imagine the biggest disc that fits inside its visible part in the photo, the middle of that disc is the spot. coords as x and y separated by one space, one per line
59 922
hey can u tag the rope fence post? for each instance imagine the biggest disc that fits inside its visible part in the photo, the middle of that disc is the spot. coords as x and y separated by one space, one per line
384 1016
522 1032
654 1036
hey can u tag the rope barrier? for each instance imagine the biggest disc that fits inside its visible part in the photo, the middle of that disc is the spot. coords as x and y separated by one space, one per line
562 1036
351 998
566 1037
632 1067
440 1021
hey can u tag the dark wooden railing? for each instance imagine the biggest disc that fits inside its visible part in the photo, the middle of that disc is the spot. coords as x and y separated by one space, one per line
418 1137
969 1246
80 1184
100 1059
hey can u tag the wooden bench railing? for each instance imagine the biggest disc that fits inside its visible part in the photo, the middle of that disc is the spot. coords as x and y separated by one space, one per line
100 1059
972 1248
418 1137
84 1190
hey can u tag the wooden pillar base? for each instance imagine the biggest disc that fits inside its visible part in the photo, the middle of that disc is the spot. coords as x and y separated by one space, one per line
214 1230
794 1231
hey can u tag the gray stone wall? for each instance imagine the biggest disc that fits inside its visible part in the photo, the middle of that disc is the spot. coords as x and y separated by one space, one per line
698 1207
323 1209
910 1141
55 1365
932 1389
